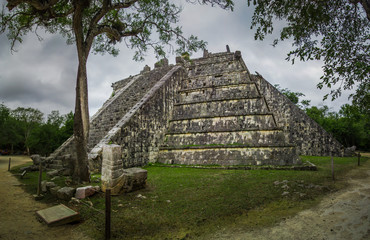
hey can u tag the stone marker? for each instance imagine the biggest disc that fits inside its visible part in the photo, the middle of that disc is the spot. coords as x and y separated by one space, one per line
58 215
116 178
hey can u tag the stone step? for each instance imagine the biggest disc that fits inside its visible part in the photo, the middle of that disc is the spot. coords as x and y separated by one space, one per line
218 93
223 123
246 137
220 108
227 78
212 58
215 68
237 155
214 100
217 115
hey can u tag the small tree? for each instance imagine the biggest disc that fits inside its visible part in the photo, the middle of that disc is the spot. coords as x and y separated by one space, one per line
98 25
28 119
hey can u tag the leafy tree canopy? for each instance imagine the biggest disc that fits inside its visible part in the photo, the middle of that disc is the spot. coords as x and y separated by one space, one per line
97 25
104 23
336 32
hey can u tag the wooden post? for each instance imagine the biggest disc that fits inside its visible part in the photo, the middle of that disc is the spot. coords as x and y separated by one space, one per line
40 178
332 167
358 159
107 213
10 159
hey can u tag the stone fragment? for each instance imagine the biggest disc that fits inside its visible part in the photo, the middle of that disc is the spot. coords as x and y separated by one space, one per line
52 173
74 201
284 193
54 190
66 193
50 185
36 159
83 192
97 188
140 196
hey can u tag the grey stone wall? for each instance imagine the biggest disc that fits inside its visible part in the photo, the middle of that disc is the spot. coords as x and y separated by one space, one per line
141 130
212 101
309 137
127 93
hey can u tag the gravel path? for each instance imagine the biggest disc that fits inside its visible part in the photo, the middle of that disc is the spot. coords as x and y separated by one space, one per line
344 215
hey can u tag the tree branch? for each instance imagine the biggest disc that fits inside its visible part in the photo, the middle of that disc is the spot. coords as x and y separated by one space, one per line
38 4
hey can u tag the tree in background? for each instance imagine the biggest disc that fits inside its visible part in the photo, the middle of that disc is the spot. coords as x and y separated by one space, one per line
42 137
336 32
27 120
98 25
349 126
294 97
9 136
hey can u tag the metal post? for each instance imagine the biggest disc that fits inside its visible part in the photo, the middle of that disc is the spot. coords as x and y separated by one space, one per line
358 159
40 178
10 159
107 213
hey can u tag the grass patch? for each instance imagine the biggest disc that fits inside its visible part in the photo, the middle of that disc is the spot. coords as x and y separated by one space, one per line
188 203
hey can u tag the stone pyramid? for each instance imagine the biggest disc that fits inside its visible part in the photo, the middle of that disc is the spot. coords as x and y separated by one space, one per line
209 110
220 117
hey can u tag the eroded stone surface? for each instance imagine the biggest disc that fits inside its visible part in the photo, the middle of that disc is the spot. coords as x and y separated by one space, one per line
207 95
83 192
66 193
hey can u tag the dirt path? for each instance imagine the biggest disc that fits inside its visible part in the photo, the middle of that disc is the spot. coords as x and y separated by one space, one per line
344 215
17 210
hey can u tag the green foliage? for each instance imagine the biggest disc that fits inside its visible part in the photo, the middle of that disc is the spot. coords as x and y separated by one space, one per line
24 129
336 32
349 126
294 97
101 24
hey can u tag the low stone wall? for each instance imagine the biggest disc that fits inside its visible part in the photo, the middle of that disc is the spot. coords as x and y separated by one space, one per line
309 137
141 130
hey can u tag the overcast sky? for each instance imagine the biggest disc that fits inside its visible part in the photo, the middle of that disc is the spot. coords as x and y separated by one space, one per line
42 74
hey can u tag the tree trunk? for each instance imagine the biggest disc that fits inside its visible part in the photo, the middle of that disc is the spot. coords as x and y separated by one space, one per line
81 126
81 119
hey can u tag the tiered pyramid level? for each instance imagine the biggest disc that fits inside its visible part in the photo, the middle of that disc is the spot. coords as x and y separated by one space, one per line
221 118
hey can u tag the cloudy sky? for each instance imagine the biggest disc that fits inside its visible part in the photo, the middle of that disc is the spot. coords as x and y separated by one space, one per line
42 74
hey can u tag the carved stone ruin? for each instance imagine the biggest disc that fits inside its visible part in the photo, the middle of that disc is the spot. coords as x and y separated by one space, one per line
209 110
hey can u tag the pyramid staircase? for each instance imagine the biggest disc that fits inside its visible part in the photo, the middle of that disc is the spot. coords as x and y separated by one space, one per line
221 118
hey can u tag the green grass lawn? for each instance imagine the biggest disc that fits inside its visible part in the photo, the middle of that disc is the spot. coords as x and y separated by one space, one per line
188 203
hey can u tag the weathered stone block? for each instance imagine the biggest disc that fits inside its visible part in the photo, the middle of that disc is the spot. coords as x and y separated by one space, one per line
46 186
36 159
83 192
132 179
54 190
52 173
66 193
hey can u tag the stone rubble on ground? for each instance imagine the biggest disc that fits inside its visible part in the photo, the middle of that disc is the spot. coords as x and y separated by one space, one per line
83 192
